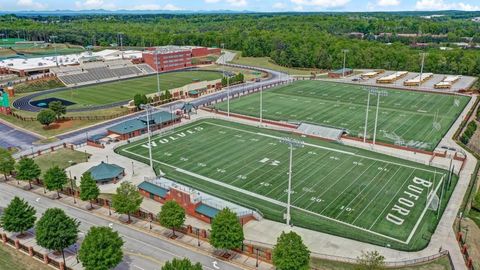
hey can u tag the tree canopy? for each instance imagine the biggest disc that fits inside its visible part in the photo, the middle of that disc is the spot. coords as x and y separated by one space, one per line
127 199
290 253
227 232
101 249
172 215
55 178
46 117
19 216
305 40
370 260
28 170
55 230
181 264
140 99
7 162
88 188
58 108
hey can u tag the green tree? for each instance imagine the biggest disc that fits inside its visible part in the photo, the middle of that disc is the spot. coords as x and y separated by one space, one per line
370 260
290 253
227 232
88 188
46 117
28 170
140 99
19 216
58 108
181 264
101 249
168 95
172 215
127 200
56 231
7 163
54 179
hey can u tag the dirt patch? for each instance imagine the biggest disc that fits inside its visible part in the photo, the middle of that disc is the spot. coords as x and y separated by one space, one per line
62 124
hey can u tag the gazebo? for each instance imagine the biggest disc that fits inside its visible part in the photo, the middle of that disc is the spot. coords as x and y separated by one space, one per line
105 173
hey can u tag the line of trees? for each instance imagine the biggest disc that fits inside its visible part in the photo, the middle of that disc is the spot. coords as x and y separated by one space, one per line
55 230
55 110
293 40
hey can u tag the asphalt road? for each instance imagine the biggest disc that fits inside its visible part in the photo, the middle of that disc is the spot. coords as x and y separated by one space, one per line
142 251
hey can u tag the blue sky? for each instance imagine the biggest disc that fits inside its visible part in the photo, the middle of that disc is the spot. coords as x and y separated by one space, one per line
253 5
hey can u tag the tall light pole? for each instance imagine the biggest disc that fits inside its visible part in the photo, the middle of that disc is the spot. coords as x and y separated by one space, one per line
366 119
158 77
344 61
224 61
55 47
261 105
379 93
292 143
147 107
421 68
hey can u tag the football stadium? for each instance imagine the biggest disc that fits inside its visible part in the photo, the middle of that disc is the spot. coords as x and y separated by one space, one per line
336 189
409 118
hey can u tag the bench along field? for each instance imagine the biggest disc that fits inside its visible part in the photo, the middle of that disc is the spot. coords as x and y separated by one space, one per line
409 118
124 90
335 189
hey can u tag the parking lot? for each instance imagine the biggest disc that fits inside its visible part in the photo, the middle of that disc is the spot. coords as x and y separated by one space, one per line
464 82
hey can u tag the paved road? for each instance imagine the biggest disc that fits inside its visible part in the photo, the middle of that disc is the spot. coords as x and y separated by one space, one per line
142 251
11 137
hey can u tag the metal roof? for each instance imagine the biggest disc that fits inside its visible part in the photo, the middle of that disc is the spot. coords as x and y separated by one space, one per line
141 122
207 210
153 189
105 172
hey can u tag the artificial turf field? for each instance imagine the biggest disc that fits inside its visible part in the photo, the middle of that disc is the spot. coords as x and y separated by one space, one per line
405 117
124 90
336 189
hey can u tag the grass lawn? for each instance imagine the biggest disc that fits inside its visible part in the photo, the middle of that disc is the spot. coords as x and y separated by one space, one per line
13 259
62 158
266 62
34 86
336 189
441 263
124 90
405 117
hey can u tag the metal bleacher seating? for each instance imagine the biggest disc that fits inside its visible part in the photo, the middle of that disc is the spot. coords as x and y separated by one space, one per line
87 73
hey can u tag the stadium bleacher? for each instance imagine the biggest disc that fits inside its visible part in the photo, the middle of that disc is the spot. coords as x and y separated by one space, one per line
92 72
328 133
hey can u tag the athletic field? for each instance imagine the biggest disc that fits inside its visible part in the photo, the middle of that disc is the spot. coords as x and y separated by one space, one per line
335 189
414 119
124 90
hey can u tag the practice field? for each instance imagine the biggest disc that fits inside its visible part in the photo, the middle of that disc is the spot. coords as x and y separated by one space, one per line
124 90
414 119
336 189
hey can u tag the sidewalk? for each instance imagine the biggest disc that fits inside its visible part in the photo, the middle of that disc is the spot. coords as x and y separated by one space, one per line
158 231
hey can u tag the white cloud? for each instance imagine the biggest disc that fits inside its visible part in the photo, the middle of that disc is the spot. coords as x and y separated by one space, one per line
442 5
171 7
237 3
31 4
388 3
279 5
321 3
94 4
234 3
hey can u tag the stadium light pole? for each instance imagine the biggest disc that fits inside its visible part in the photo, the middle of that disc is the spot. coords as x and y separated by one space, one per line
292 143
147 107
379 93
261 105
366 119
345 51
421 68
158 77
55 47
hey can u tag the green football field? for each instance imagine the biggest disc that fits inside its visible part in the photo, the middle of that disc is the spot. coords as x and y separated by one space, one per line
335 189
124 90
414 119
